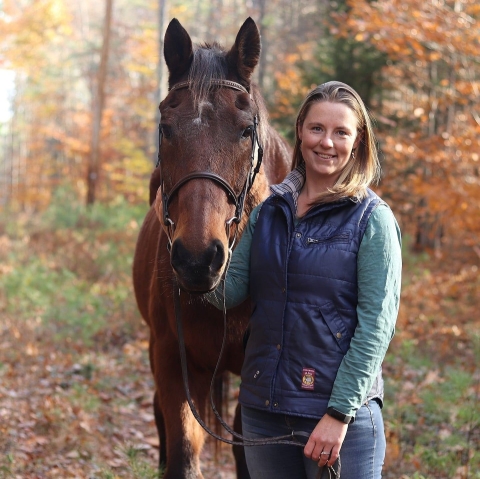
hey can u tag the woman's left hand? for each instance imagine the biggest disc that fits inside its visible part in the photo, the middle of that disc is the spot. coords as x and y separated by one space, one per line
324 443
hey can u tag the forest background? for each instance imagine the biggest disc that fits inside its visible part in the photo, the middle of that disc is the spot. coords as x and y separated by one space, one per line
80 83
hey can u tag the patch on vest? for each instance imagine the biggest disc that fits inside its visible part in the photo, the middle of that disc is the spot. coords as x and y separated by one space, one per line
308 378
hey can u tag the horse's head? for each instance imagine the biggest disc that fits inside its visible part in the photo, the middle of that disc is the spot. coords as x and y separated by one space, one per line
207 131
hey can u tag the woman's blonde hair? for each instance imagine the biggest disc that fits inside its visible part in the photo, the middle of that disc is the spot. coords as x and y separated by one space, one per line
363 168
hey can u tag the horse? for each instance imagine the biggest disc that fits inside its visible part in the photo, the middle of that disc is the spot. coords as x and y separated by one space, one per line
201 194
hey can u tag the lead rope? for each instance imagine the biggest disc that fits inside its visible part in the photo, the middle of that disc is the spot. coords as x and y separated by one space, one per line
332 471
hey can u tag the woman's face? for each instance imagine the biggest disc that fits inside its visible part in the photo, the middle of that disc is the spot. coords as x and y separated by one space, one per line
328 135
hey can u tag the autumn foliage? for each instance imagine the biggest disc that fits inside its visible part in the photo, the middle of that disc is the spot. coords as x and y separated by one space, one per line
417 65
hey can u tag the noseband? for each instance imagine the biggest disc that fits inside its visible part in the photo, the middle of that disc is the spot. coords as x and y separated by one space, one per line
238 200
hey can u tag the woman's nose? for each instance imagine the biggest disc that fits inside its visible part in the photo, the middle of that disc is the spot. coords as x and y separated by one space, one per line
326 141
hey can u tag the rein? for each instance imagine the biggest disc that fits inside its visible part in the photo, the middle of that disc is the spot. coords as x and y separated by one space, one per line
238 200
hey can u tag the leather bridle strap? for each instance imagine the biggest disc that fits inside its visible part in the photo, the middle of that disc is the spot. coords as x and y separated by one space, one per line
199 174
183 363
213 81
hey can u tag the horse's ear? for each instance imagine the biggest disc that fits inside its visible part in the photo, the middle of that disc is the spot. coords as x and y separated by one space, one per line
177 51
245 53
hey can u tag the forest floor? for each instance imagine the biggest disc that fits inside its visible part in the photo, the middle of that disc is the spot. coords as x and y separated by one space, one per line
73 412
75 383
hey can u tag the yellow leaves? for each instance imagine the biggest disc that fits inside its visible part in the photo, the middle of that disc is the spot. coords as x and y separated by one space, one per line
31 28
178 10
434 56
129 174
473 9
399 27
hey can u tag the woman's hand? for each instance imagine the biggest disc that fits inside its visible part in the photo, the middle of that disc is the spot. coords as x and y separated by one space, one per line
325 441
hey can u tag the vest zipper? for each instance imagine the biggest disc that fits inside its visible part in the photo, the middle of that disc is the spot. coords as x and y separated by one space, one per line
332 238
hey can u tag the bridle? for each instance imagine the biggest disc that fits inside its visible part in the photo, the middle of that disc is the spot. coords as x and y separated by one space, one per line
238 200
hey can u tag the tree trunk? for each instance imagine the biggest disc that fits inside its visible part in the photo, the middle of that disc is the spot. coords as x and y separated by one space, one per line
98 103
160 69
263 53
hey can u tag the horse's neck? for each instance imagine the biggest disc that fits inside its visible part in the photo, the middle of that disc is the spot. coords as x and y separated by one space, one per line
277 157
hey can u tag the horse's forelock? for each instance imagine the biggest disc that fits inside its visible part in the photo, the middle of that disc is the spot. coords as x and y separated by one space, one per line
208 63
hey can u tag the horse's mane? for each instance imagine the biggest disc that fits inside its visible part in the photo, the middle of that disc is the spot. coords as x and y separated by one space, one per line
209 62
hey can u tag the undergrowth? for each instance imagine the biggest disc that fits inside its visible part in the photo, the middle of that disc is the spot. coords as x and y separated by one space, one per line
432 373
66 302
69 267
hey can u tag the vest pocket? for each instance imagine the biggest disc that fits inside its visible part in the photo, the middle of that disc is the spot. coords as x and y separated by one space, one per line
336 326
337 237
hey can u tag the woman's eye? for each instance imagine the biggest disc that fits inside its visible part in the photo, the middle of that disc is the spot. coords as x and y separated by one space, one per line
247 133
166 131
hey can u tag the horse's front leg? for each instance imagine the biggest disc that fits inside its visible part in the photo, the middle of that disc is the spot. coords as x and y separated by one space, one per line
162 437
184 436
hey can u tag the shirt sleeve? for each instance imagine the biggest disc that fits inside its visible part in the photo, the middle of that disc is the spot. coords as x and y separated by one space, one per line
379 268
237 279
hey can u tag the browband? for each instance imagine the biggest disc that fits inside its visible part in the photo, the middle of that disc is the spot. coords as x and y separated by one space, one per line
218 82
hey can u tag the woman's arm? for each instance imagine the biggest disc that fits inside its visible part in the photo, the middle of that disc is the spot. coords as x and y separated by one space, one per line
379 271
238 275
379 276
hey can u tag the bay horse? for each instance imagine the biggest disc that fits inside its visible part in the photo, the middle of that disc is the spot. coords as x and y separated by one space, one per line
207 146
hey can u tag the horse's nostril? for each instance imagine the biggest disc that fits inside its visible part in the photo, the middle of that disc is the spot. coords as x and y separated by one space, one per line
218 257
179 255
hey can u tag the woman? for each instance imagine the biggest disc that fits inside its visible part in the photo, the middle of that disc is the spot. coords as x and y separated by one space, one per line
321 261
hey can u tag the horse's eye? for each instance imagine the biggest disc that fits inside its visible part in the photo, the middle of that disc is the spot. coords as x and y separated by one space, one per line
166 131
247 133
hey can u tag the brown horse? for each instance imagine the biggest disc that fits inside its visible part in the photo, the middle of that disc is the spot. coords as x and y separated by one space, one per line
207 131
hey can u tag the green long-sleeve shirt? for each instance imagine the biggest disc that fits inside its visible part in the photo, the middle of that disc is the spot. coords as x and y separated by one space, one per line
379 268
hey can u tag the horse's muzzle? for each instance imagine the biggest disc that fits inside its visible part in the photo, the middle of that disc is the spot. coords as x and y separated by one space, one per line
198 272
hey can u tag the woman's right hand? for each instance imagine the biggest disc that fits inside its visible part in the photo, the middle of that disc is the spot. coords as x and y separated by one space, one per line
323 445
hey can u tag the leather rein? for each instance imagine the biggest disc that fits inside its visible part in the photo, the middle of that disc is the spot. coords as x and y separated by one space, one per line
330 472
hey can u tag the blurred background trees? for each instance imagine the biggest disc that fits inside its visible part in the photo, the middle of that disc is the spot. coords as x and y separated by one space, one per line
85 93
80 83
86 87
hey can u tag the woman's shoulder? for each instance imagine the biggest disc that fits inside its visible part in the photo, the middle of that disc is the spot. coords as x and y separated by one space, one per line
382 221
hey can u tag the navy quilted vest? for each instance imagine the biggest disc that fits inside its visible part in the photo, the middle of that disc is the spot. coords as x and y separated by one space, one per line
303 286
